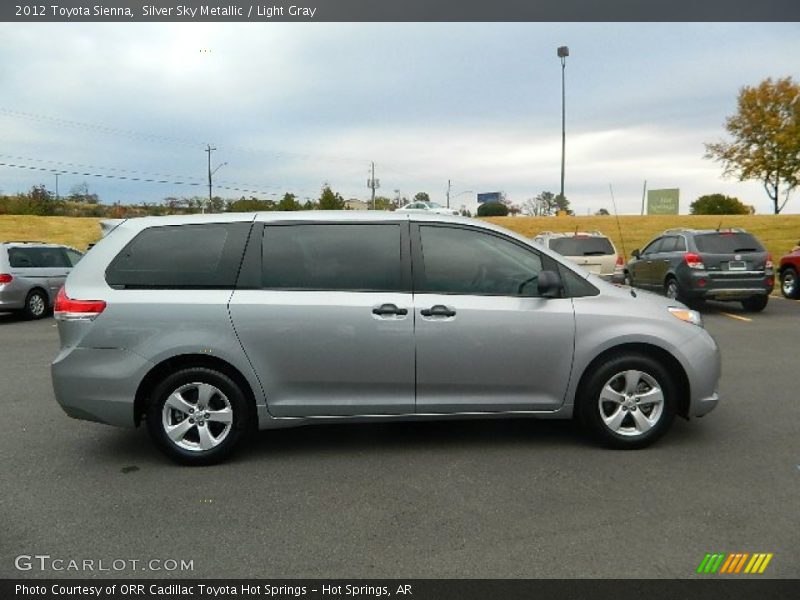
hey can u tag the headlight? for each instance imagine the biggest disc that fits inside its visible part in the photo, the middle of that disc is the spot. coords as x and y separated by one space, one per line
685 314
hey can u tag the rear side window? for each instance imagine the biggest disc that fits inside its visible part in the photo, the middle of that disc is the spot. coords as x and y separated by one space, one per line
582 246
358 257
727 243
181 256
73 256
45 258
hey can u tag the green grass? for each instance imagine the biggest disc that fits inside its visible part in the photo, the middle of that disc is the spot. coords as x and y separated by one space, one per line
77 232
779 233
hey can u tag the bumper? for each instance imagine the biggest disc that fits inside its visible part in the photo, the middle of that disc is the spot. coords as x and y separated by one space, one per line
98 384
703 366
729 287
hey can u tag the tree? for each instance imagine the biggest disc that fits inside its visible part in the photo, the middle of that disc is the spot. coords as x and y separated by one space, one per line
330 201
492 209
603 212
80 193
766 139
541 206
422 197
718 204
288 202
383 203
561 203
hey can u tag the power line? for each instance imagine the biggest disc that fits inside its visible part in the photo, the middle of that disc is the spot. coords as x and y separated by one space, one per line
156 138
136 179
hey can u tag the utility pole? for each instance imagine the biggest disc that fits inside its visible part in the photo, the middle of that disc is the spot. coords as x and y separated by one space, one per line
209 150
57 174
373 184
644 193
448 193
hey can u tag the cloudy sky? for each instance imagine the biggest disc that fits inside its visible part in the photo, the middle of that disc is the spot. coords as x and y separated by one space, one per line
291 106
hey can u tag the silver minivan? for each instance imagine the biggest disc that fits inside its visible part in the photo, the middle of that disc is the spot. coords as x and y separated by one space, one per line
31 273
206 327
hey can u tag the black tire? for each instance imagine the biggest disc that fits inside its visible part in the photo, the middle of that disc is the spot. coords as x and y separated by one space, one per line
627 279
790 286
670 284
228 394
590 410
36 305
755 303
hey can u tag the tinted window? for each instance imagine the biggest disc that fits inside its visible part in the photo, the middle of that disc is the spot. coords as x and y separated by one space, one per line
466 261
727 243
582 246
22 257
653 246
181 256
680 244
46 258
668 244
576 286
332 257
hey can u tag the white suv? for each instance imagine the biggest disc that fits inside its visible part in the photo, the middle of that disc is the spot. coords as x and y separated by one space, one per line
592 251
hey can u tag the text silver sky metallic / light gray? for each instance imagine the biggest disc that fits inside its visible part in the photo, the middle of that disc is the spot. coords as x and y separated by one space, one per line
206 327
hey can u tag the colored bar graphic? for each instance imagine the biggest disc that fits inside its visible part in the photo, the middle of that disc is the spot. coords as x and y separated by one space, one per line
730 563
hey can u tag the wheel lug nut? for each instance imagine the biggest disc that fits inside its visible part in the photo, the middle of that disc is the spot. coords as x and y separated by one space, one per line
191 411
206 415
191 420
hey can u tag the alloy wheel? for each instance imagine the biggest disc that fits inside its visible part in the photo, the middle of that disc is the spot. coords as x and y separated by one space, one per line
197 417
631 403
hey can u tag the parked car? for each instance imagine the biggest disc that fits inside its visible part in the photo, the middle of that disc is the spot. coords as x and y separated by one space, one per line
788 269
693 265
31 274
592 251
207 326
427 207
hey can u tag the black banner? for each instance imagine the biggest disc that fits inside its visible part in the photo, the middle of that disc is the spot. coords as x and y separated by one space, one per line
400 10
411 589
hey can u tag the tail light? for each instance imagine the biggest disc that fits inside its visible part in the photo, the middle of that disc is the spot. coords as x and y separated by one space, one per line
620 264
768 264
693 260
69 309
5 278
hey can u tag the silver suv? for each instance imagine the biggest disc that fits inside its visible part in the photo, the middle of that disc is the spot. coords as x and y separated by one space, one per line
31 273
593 251
208 326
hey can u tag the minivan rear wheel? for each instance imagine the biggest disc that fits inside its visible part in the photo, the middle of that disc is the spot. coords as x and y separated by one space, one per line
35 305
198 416
628 402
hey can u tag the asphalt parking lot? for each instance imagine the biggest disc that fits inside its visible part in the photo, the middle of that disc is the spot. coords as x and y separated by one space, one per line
451 499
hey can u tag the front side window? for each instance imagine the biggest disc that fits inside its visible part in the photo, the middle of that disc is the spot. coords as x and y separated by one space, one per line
467 261
653 246
73 256
181 256
352 257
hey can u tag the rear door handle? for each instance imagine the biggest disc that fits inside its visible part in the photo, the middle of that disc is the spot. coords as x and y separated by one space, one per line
440 310
389 309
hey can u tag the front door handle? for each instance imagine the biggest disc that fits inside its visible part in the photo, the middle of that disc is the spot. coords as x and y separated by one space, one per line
440 310
389 309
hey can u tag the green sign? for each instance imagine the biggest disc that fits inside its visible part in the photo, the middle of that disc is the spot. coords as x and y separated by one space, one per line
663 202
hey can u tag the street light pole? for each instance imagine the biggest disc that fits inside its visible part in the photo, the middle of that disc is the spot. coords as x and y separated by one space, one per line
563 53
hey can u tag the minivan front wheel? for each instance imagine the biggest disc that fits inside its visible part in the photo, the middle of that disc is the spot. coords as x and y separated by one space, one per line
198 416
628 402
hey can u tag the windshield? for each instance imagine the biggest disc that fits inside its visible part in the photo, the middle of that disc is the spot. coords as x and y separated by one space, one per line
727 243
582 246
435 205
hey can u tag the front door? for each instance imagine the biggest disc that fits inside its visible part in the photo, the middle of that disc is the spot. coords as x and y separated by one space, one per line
485 341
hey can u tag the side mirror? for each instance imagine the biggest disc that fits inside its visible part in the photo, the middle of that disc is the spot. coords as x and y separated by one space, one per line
549 284
636 254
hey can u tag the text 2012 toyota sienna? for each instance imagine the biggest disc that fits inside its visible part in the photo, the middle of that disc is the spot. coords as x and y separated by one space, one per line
208 326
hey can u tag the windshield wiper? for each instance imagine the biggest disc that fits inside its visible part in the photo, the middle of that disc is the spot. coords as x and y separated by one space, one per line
746 250
594 253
